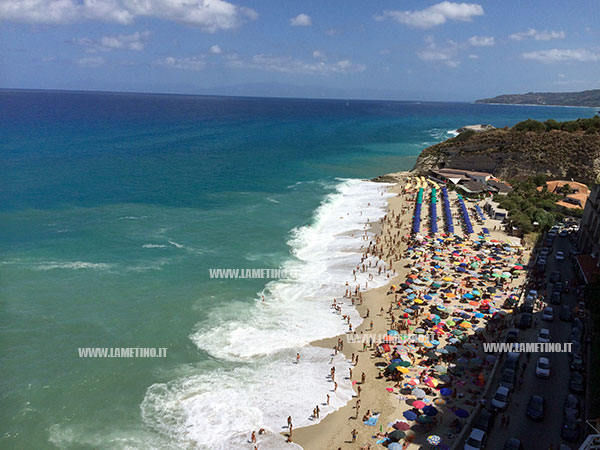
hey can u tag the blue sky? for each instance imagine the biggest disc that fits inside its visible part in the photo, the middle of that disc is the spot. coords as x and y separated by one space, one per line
385 49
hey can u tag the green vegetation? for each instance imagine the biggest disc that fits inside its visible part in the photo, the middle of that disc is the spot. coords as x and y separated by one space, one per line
464 136
527 205
589 126
583 98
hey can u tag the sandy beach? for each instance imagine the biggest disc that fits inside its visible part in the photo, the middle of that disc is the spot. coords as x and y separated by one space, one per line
389 396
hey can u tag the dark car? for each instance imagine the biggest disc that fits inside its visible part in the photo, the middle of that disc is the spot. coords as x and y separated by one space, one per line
570 429
512 361
555 298
572 406
577 323
513 444
485 420
576 335
535 408
525 321
576 362
554 277
566 313
512 335
508 379
558 286
576 383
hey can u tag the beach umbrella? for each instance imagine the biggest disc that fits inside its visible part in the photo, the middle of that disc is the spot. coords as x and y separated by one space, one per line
447 279
462 361
404 363
441 307
427 344
435 342
446 391
409 415
479 315
419 393
461 413
476 362
418 404
413 382
439 401
392 333
428 297
466 324
474 303
396 435
395 446
403 370
419 331
457 332
468 295
434 439
442 351
424 419
401 425
450 322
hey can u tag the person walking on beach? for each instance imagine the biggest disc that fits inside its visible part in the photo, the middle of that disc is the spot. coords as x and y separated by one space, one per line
253 437
363 378
334 387
289 420
359 389
354 434
297 357
327 399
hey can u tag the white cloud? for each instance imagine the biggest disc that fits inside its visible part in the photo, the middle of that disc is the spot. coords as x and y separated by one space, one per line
556 55
332 31
481 41
472 56
94 61
291 65
135 41
384 51
437 14
537 35
190 63
301 20
447 54
318 54
216 49
208 15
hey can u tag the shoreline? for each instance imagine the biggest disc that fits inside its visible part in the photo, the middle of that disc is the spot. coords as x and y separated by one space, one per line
334 430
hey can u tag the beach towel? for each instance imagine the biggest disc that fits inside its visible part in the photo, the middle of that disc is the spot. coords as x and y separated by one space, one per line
372 421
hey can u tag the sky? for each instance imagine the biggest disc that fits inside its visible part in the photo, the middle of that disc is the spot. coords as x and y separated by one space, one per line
374 49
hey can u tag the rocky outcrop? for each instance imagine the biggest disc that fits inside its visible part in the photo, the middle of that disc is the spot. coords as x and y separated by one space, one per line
510 154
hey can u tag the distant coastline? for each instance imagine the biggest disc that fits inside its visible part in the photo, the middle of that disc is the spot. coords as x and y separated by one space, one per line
583 99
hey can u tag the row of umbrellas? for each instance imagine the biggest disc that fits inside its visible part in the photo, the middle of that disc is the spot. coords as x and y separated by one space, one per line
417 216
465 214
447 211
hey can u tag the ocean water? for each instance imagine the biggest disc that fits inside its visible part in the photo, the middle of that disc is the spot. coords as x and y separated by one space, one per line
115 206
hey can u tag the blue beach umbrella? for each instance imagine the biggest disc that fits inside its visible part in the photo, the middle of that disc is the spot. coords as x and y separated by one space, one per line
409 415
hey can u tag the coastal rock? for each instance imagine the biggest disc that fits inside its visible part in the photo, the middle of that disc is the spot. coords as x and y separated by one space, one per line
394 177
510 154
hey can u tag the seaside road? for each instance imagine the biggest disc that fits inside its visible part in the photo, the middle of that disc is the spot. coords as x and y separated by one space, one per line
540 435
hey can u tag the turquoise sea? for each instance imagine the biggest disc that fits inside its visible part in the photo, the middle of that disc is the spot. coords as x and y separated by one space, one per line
113 208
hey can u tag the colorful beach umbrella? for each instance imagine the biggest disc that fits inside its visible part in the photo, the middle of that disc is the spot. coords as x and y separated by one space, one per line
434 439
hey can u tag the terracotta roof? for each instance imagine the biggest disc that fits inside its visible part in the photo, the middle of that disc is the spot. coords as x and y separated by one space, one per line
580 188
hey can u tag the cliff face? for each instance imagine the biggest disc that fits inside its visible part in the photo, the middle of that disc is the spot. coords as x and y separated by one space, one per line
517 155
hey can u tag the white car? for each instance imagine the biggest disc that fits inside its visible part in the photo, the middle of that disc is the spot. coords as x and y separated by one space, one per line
560 256
501 398
548 313
542 368
476 440
544 335
532 293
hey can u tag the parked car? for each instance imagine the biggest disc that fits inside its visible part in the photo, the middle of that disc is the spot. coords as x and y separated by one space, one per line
577 323
512 361
576 335
507 379
533 293
564 233
513 444
525 321
485 420
572 406
581 310
576 383
558 286
548 313
566 313
542 368
576 362
555 276
501 398
535 408
570 429
512 335
527 306
555 298
544 335
545 251
476 440
560 256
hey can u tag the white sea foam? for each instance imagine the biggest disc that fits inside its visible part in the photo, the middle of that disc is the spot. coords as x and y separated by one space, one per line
154 246
218 409
73 265
176 244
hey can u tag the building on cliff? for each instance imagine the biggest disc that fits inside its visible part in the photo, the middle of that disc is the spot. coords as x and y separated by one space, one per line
588 239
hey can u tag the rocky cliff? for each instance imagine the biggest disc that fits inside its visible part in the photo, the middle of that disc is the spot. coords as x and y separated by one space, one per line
511 154
584 98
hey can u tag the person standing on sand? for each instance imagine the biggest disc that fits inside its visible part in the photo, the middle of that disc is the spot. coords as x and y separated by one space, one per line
297 357
327 399
354 434
289 420
334 387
